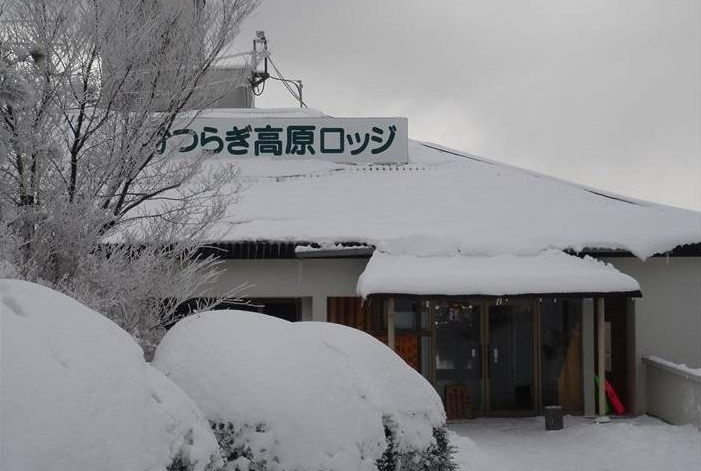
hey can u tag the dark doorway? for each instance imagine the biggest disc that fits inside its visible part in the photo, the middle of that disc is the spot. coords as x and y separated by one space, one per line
615 346
289 309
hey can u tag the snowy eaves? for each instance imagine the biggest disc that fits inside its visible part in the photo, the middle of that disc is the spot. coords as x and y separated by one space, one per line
441 198
550 273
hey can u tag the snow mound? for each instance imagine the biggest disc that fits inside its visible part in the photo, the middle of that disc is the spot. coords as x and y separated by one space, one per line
276 386
297 396
399 391
190 435
76 393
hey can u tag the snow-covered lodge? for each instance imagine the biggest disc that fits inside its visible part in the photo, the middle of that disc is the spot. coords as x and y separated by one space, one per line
507 289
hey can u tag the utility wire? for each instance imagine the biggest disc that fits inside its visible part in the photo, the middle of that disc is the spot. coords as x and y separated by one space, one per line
285 81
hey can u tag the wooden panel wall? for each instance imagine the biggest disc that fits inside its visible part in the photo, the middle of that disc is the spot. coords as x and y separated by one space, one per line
352 312
348 311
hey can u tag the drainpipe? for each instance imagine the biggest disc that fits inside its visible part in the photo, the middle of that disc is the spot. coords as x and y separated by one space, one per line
390 323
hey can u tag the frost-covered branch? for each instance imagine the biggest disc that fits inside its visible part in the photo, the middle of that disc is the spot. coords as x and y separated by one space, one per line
88 88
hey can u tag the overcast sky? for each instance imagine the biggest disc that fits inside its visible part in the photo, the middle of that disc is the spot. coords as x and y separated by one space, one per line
602 92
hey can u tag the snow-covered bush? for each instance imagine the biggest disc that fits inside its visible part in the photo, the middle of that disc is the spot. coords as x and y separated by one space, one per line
413 415
76 394
273 392
437 457
303 396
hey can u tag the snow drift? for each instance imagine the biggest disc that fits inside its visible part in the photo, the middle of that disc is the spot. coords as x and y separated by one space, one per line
297 396
76 393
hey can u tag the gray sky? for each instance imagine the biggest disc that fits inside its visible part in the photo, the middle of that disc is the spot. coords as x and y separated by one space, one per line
602 92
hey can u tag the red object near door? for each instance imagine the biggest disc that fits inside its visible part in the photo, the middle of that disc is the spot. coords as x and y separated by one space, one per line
616 403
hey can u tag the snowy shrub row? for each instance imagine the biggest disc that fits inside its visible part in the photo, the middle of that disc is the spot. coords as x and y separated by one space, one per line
246 392
320 396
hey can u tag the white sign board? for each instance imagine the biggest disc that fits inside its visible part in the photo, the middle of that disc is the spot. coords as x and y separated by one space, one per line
345 140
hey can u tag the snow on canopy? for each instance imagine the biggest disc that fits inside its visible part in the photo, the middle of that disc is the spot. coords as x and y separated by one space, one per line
76 393
307 395
475 205
549 272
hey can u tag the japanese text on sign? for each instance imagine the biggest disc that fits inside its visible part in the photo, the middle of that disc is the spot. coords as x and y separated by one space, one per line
351 140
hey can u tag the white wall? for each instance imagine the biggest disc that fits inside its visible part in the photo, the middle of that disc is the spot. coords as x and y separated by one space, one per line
667 319
673 394
315 279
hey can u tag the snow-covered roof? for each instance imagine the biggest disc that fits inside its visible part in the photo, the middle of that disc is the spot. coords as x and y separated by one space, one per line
442 200
502 275
455 200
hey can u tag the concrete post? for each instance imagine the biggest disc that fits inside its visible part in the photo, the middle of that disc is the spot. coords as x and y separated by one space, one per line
319 312
307 308
588 365
601 354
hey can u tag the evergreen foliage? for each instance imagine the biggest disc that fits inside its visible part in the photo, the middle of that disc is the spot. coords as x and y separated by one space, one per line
438 457
241 457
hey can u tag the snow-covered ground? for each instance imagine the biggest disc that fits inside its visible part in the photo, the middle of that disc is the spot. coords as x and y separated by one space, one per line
639 444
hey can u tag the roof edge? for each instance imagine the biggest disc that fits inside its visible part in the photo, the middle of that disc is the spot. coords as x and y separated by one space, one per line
264 249
683 250
610 294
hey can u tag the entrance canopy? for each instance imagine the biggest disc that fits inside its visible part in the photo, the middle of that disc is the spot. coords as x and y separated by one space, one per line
550 273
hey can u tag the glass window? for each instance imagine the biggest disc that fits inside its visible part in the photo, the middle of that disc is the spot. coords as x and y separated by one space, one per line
561 353
404 314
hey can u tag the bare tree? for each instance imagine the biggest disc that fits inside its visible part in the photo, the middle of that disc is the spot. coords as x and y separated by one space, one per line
88 89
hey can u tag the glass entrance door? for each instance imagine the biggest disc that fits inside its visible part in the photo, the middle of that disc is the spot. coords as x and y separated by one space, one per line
510 358
458 359
485 351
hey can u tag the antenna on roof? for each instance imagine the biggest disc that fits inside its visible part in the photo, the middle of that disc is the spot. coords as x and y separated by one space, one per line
260 49
258 76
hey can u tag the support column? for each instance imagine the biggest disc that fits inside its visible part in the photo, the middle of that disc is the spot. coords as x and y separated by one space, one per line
601 354
390 323
631 363
319 312
307 308
588 363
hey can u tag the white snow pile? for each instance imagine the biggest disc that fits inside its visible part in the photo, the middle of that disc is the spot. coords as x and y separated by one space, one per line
289 396
552 271
400 392
76 393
